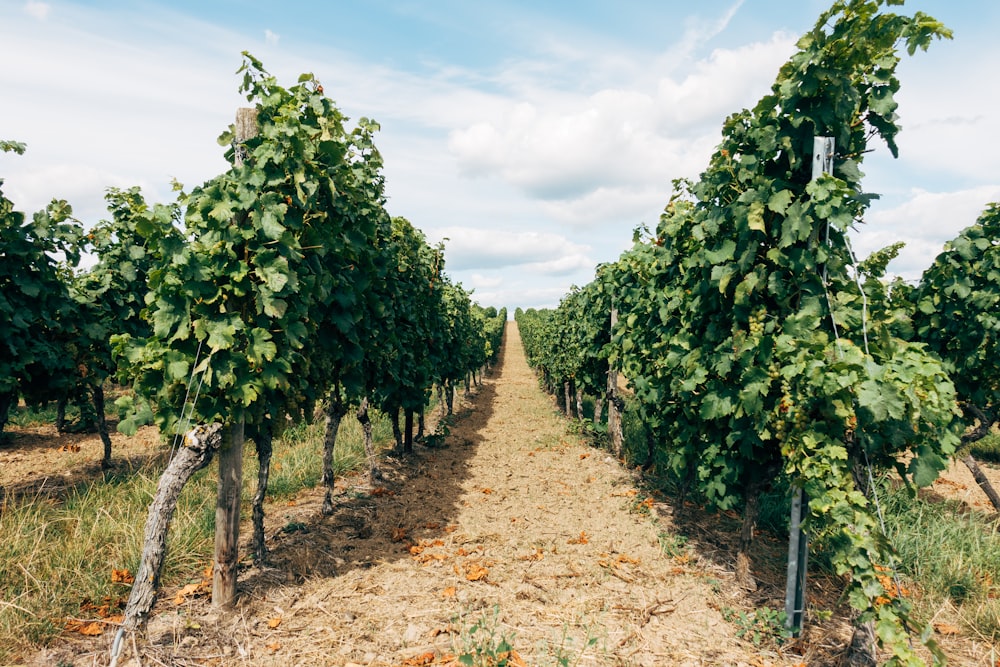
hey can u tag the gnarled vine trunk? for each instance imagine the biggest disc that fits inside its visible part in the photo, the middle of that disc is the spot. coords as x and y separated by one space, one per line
374 474
263 442
7 401
97 391
199 446
335 412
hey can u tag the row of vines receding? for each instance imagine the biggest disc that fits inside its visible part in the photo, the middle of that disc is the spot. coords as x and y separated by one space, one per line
760 351
276 292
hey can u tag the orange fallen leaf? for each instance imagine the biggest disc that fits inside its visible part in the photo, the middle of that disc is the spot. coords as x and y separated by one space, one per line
424 559
583 539
274 622
273 646
511 658
947 629
532 557
420 660
183 593
475 572
290 503
451 528
399 534
88 628
121 576
382 491
449 592
487 491
583 456
432 525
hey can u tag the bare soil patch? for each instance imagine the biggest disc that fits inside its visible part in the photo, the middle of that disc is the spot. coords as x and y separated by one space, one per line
513 529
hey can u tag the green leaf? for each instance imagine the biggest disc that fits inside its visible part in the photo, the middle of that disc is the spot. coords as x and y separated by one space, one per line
275 274
755 217
779 201
221 333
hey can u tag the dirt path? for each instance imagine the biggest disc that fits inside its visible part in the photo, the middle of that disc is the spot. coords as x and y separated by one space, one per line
511 532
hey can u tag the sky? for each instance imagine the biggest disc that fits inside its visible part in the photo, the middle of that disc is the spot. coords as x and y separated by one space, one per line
533 136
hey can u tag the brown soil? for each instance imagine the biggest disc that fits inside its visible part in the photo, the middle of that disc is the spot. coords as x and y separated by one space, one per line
511 530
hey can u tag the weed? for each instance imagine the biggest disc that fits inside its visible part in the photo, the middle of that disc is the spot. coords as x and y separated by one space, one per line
483 645
672 545
564 653
987 449
441 431
56 552
763 625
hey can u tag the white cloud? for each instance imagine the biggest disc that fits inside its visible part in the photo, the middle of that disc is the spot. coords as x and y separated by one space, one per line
539 252
271 38
924 222
479 281
727 81
38 10
569 150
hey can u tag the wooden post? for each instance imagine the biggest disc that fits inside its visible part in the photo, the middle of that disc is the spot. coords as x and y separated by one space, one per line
227 517
227 505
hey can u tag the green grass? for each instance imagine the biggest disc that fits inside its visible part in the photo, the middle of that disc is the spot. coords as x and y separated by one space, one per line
950 555
57 552
26 417
987 449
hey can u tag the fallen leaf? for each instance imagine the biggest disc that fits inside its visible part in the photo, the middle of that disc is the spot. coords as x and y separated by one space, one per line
274 622
121 576
583 456
511 658
432 525
449 592
487 491
291 503
382 491
532 557
273 646
183 593
399 534
583 539
88 628
420 660
947 629
475 572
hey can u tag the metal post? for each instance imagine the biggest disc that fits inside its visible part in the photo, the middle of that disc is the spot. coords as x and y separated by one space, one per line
798 541
798 553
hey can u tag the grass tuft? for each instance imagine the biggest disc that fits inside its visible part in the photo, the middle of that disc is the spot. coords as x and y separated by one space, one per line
58 553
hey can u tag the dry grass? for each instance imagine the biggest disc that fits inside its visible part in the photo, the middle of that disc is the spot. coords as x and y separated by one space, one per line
513 541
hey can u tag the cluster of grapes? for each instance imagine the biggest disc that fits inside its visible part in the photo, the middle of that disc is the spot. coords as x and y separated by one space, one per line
791 417
756 323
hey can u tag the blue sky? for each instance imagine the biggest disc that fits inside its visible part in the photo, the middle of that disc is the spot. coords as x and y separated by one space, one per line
533 136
